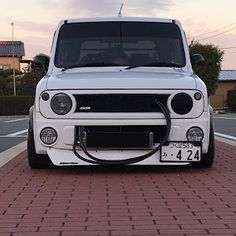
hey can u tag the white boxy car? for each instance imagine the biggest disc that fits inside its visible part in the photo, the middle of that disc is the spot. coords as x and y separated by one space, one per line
120 91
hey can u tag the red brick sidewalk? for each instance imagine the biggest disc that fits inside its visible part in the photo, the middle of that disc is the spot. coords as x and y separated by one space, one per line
103 201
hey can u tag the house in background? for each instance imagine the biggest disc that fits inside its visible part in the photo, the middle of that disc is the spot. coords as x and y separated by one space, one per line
227 81
6 54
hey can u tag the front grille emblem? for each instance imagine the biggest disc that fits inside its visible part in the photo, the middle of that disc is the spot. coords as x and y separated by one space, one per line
85 108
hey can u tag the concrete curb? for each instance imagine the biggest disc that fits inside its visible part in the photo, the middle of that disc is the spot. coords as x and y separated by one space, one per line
225 140
11 153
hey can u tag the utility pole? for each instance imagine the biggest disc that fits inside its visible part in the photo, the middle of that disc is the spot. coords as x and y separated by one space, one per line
13 60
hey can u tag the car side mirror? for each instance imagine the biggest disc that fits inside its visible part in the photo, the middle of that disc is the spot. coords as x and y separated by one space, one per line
41 61
197 60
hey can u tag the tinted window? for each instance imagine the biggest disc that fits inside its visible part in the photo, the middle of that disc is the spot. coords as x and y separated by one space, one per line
119 44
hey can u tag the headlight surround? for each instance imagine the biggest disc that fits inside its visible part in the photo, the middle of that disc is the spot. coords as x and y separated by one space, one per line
195 134
61 104
48 136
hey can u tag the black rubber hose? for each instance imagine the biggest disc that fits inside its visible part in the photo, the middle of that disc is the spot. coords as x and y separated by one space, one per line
95 160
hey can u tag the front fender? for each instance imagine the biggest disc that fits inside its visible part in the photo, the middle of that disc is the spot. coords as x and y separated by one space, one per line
31 117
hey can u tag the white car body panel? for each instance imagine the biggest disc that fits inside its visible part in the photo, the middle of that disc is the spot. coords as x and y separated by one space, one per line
121 80
116 80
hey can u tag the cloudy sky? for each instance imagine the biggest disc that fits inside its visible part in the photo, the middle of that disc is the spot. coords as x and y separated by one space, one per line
211 21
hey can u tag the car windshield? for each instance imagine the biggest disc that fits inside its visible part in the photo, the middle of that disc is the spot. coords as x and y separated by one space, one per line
119 43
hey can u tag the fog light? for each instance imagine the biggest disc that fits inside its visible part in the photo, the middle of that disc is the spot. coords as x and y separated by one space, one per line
195 134
48 136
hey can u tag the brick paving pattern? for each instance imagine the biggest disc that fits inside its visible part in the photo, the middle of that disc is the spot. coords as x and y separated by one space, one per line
119 201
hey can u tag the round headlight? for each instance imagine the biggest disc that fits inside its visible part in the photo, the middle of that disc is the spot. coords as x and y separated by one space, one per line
48 136
195 134
182 103
61 104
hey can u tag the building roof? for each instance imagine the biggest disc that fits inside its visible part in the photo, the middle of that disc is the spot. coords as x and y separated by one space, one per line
6 48
227 75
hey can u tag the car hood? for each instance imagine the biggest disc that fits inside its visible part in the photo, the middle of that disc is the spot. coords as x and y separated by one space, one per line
127 79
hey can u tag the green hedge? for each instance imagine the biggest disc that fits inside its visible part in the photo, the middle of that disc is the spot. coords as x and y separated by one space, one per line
18 105
231 99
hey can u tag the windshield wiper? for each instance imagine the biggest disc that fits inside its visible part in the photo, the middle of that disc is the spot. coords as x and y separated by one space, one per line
92 64
155 64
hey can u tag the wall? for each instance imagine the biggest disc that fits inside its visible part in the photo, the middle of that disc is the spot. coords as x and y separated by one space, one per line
219 99
7 61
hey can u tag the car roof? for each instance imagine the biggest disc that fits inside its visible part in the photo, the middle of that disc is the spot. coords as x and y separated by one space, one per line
119 18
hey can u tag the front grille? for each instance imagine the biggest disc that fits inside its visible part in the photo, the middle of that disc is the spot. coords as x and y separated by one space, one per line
122 136
119 102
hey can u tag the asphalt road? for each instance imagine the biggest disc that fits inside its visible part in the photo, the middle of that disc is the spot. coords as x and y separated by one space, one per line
225 124
14 130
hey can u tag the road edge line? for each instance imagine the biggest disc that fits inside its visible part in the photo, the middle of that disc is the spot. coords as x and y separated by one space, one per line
11 153
15 120
17 133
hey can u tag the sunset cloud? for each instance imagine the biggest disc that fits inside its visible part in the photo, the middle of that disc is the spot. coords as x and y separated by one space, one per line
36 27
104 7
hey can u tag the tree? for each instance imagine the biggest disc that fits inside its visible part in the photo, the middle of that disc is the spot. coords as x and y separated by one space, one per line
25 84
209 71
9 72
6 81
28 82
3 85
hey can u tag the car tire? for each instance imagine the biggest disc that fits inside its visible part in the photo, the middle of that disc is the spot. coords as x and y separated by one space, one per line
36 161
208 158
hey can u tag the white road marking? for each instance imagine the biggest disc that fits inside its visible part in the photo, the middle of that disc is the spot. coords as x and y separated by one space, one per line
17 133
11 153
225 136
10 121
225 118
18 136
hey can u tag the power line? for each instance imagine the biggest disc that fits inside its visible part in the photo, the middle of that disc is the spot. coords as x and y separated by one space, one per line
215 35
199 35
228 48
231 52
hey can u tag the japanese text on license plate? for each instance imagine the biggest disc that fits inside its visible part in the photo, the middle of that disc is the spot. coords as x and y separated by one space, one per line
181 152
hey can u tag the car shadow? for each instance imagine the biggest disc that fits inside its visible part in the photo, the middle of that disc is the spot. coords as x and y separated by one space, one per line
121 169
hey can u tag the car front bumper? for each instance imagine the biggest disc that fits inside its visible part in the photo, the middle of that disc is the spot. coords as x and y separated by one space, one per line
61 152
